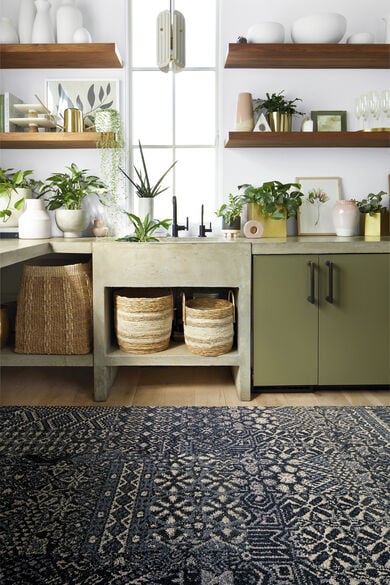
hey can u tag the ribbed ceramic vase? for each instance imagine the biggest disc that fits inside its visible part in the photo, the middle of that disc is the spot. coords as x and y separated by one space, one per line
68 20
244 114
345 217
35 222
8 32
26 19
42 31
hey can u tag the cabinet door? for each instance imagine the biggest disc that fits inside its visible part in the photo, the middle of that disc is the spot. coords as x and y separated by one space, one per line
285 322
354 342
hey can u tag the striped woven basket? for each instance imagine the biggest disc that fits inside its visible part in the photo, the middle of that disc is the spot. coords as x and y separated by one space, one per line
208 325
143 319
54 310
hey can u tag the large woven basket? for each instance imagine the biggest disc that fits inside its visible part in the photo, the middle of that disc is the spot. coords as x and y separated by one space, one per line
54 310
208 325
143 319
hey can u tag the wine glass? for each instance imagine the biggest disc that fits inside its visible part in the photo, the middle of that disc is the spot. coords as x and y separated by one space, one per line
385 103
374 104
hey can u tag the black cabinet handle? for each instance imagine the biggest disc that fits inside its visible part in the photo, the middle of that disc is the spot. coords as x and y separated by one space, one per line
329 298
311 297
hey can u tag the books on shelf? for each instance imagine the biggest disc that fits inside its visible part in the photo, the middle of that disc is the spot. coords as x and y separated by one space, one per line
7 111
9 232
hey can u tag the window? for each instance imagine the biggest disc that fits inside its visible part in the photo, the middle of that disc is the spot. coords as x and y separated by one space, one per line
174 115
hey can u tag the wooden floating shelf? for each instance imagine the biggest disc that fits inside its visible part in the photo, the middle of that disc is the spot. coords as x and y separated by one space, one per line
48 139
308 56
60 56
308 139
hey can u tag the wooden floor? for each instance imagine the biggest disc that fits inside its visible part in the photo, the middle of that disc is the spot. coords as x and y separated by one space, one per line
160 386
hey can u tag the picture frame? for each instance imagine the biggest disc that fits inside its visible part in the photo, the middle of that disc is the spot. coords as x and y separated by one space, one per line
329 120
315 213
88 95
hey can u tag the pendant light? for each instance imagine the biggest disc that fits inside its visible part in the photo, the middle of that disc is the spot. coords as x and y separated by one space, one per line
171 40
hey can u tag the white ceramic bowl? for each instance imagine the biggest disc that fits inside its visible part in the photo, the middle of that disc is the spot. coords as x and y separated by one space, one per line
327 27
364 38
266 32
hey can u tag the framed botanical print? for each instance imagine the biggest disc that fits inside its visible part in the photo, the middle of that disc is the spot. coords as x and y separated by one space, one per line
315 213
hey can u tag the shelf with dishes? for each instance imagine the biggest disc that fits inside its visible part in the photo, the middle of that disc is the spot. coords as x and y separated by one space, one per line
308 56
357 139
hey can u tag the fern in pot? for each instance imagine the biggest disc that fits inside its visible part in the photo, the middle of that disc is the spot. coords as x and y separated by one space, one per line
230 212
67 192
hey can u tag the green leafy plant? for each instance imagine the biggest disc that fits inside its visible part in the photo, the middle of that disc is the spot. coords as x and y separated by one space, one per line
276 102
371 204
232 209
10 182
143 187
143 229
276 199
69 189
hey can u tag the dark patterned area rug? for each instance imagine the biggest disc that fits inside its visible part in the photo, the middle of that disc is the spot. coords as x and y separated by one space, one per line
205 496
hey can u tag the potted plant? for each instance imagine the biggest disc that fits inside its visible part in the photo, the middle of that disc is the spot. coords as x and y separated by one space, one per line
231 215
271 201
15 187
376 218
278 110
68 190
143 187
144 228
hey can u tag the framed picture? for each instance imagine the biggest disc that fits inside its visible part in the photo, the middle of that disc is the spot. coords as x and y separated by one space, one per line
330 121
88 95
315 213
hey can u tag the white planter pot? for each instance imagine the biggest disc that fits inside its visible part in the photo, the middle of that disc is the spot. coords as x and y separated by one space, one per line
327 27
145 206
71 221
13 220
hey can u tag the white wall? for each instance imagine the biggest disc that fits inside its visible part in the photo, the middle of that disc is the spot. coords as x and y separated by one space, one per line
362 170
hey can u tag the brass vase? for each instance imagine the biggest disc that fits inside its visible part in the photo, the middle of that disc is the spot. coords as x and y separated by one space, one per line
279 122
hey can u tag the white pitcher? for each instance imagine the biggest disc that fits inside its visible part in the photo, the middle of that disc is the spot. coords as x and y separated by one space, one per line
387 28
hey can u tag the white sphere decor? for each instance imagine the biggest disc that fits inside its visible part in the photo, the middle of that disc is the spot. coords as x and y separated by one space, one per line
82 35
326 27
266 32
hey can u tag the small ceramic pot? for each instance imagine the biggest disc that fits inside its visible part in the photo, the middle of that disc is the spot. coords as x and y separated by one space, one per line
327 27
266 32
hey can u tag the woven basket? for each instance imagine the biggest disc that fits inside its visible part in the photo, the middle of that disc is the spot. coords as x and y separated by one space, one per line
143 319
208 325
54 310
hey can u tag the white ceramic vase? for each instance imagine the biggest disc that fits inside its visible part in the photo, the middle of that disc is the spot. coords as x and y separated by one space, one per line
71 221
35 222
8 32
266 32
345 217
69 19
26 19
325 27
42 31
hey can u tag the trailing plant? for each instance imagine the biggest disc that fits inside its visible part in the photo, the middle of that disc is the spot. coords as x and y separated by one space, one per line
69 189
232 209
10 182
110 143
276 102
143 187
143 229
371 204
276 199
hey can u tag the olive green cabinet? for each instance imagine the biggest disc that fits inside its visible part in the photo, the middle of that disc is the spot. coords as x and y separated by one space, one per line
321 319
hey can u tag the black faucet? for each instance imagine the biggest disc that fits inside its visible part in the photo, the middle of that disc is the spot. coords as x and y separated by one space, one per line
175 226
202 228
